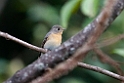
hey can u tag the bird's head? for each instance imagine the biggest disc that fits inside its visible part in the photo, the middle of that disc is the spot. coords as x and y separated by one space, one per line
57 29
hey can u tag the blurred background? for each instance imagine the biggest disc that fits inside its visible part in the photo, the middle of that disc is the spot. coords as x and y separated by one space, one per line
30 20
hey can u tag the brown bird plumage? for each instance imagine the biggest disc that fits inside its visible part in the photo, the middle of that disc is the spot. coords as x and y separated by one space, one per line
53 38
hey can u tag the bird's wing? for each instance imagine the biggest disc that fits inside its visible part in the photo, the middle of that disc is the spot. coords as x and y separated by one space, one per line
45 39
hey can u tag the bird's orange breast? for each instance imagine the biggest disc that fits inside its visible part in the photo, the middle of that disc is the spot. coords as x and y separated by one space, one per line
55 38
53 41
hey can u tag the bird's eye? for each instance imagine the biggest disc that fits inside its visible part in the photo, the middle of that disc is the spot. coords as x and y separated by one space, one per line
58 29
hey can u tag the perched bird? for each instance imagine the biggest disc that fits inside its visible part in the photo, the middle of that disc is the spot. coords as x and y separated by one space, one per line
53 38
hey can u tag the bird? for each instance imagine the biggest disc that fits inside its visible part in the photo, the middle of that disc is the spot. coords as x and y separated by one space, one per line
53 38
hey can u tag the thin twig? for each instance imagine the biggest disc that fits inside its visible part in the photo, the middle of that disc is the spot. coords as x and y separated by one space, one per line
101 70
9 37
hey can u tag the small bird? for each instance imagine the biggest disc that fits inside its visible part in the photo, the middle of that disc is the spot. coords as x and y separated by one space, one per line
53 38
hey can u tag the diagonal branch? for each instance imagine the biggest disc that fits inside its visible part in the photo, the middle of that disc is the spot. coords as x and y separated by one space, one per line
70 63
64 67
68 48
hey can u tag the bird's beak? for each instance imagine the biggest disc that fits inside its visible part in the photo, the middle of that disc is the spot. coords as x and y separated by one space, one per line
63 29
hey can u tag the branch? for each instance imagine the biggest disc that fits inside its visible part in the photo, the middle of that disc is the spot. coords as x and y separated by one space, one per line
9 37
90 34
100 70
64 67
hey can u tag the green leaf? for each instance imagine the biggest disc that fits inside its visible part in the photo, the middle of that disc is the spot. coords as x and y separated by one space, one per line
119 52
67 10
90 7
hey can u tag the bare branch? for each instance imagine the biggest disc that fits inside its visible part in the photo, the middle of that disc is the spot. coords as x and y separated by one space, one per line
9 37
101 70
